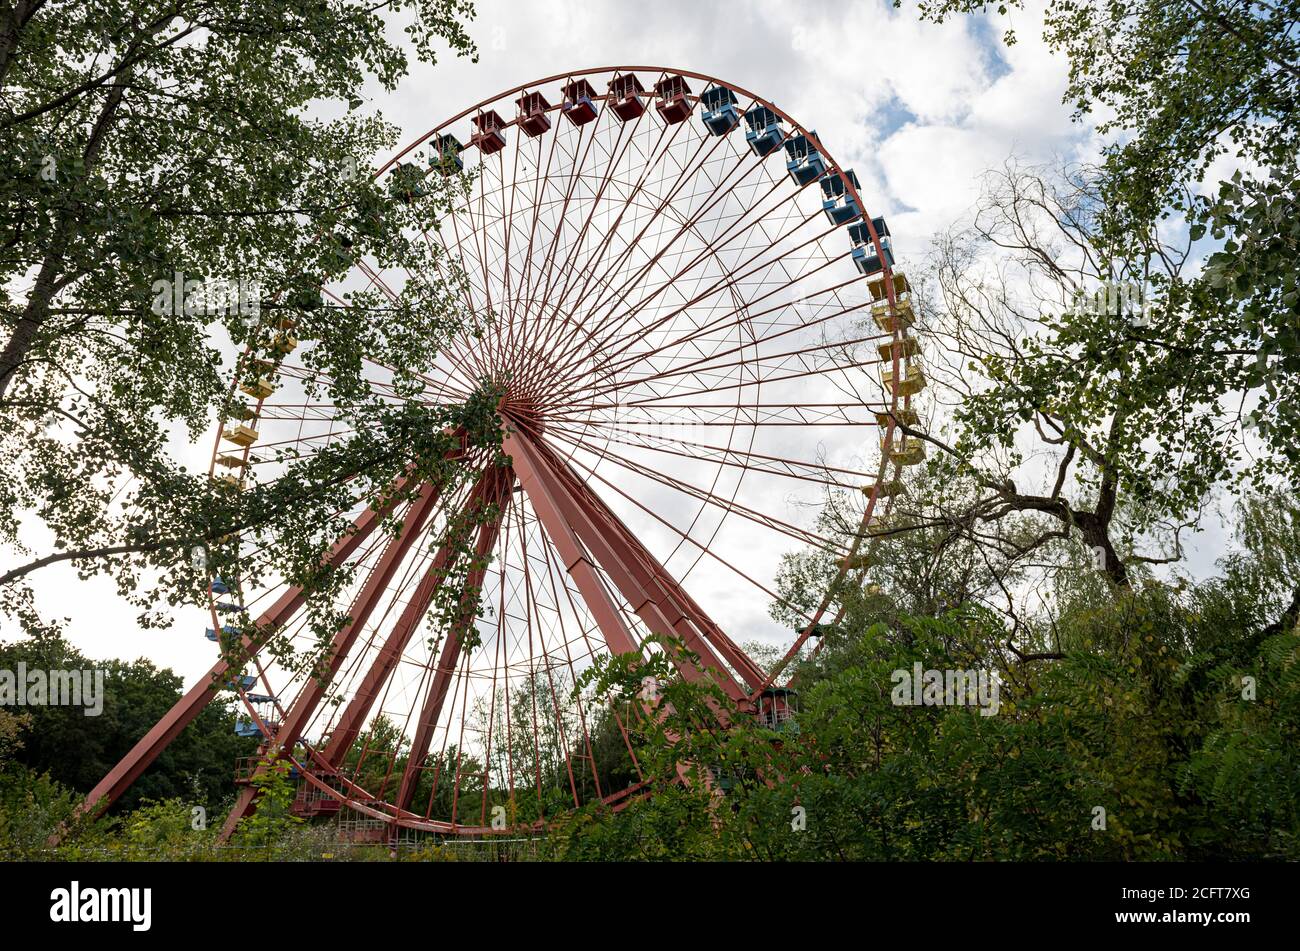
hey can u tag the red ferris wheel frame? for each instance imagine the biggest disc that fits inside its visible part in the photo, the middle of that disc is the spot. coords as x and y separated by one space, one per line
594 543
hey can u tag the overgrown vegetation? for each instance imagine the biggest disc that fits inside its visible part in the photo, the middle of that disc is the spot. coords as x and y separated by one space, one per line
1171 712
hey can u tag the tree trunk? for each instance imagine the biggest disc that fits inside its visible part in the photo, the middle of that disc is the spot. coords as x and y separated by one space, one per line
19 345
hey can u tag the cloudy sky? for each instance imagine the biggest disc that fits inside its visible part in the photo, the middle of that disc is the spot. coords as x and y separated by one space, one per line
918 110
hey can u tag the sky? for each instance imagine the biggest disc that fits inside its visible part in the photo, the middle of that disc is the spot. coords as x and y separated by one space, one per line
919 110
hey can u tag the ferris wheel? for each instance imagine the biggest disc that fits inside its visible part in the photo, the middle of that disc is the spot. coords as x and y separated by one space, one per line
698 333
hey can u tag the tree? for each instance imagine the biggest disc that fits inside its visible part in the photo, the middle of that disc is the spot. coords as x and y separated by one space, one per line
1056 394
1188 87
77 750
1134 741
177 174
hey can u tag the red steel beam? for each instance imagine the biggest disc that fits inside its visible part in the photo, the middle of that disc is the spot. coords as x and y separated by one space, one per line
543 493
690 618
543 476
358 709
183 712
363 605
449 658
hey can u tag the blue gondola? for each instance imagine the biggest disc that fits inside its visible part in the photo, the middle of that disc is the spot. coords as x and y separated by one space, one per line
720 114
840 207
764 133
447 149
805 163
864 250
220 587
242 682
227 629
229 607
247 726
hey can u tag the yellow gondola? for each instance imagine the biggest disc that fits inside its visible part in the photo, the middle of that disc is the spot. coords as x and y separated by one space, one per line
241 435
913 380
284 343
861 560
905 417
908 451
885 320
260 389
905 348
888 489
877 287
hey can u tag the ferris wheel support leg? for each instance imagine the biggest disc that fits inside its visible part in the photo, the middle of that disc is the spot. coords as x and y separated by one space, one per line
566 515
628 564
682 604
358 709
576 561
303 708
183 712
449 658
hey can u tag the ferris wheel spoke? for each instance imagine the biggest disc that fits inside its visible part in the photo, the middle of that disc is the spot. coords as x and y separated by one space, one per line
650 162
726 506
703 201
462 353
623 142
526 316
730 415
713 246
727 324
606 308
525 277
620 292
309 375
726 455
733 279
704 369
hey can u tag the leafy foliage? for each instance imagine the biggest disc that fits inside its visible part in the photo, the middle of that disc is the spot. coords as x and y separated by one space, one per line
186 146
